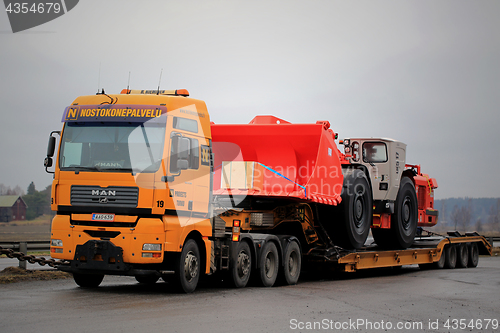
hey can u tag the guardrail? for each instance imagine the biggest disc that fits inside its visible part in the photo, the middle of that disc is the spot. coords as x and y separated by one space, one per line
492 239
25 247
32 246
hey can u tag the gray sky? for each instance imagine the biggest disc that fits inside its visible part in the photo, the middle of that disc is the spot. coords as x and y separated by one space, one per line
423 72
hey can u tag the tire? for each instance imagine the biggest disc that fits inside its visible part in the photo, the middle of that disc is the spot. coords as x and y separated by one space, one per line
440 263
462 255
241 265
268 264
292 264
355 211
450 252
404 221
188 267
147 279
88 280
473 255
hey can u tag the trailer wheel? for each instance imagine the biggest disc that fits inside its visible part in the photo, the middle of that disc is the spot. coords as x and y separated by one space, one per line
292 263
88 280
268 264
188 267
404 221
147 279
440 263
356 212
473 255
462 255
450 252
241 265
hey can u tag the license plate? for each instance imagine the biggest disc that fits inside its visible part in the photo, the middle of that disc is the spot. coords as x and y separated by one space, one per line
103 217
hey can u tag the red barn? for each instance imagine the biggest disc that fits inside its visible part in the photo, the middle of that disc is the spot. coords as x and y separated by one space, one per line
12 207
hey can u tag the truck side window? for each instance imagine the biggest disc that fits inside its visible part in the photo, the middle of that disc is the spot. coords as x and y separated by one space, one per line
374 152
194 162
185 124
184 148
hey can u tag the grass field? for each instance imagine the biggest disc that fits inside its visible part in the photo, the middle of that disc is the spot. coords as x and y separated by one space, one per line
35 230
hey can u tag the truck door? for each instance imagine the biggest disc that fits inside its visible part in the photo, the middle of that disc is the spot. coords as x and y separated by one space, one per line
375 157
186 185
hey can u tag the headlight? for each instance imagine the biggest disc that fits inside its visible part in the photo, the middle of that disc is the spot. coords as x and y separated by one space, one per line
151 247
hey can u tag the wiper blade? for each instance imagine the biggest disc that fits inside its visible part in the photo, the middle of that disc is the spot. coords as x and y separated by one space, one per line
116 169
79 167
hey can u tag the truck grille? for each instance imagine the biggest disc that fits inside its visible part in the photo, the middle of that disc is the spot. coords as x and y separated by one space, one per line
113 196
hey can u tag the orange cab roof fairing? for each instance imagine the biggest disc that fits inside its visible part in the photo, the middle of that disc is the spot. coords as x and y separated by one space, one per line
194 107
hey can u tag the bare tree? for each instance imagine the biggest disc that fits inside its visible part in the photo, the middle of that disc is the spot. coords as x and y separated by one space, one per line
18 190
494 216
466 215
455 216
443 211
479 225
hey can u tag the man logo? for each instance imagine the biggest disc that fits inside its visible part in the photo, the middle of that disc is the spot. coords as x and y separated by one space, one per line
103 200
103 193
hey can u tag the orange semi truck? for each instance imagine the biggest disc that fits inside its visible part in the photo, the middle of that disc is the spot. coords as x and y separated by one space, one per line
145 185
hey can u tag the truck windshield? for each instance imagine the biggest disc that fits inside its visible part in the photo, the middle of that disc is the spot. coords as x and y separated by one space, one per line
113 146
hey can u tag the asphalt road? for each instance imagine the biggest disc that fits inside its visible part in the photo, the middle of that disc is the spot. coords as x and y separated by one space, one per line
398 300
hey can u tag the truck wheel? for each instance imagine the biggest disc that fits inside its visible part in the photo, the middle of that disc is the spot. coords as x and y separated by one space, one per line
268 264
440 263
356 212
292 263
241 265
88 280
188 267
450 252
473 255
147 279
462 255
404 221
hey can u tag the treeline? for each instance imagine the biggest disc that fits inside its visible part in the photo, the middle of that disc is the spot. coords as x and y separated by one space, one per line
469 214
38 202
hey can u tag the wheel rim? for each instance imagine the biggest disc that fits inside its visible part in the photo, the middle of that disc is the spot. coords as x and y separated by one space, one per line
406 217
293 261
190 266
243 264
359 205
269 265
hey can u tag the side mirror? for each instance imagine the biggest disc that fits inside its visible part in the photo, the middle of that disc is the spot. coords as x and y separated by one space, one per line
47 162
51 146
